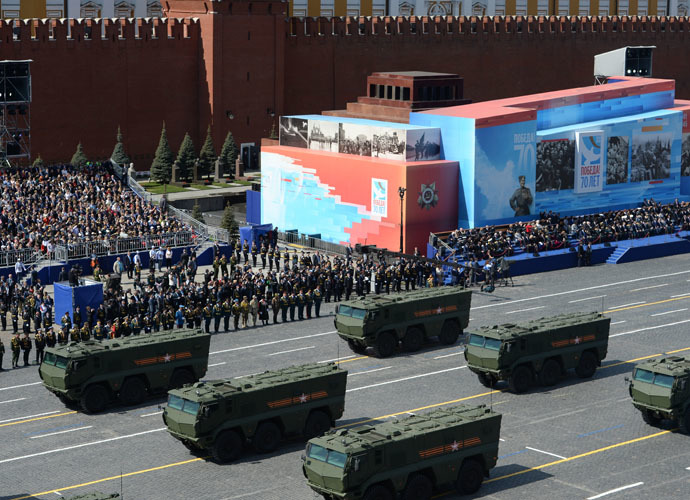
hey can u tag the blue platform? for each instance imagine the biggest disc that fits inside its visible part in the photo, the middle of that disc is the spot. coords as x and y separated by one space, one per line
68 298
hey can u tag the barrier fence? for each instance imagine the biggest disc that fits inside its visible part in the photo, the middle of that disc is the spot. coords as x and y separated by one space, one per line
296 238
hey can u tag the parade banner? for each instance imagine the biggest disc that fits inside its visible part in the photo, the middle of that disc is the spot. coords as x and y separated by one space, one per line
588 167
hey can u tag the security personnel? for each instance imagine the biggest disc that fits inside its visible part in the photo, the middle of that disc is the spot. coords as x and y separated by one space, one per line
14 313
3 314
264 252
16 346
236 312
2 353
26 347
301 300
227 312
275 306
309 301
245 251
244 307
292 300
50 337
207 314
270 258
255 252
77 317
217 314
26 318
284 304
86 332
40 343
276 259
317 300
98 331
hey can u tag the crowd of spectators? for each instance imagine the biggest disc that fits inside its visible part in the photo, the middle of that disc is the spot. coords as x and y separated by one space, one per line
44 206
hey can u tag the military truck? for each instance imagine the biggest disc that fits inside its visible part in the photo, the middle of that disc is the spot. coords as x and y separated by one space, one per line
411 457
660 389
127 369
222 415
543 349
382 321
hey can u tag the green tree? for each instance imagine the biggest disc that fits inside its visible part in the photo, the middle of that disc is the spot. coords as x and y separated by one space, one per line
197 213
79 159
161 168
228 221
186 157
228 154
207 155
119 156
38 162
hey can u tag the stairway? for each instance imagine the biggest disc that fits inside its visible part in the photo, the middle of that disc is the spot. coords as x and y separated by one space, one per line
616 255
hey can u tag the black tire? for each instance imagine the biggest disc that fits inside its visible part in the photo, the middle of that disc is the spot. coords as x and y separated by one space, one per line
180 378
449 333
684 421
419 487
521 379
356 347
486 380
413 340
378 492
550 373
386 344
470 477
587 365
227 447
94 399
266 438
132 392
318 422
650 418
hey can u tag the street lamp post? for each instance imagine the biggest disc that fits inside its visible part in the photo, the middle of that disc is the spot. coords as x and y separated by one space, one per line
401 192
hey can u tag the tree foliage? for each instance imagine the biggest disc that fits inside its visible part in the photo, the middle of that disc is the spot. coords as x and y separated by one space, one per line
228 153
186 157
207 155
79 158
119 155
228 221
197 213
161 168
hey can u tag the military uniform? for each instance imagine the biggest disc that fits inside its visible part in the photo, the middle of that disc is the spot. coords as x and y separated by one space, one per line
74 334
292 300
14 313
98 332
317 301
227 312
217 314
284 304
62 337
236 312
309 301
16 346
85 332
40 343
26 347
3 315
275 305
244 307
2 353
300 299
50 337
264 252
207 314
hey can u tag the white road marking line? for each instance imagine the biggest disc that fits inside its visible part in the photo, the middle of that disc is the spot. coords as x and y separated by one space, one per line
523 310
268 343
681 295
18 386
404 379
61 432
58 493
217 364
618 322
669 312
501 439
82 445
29 416
648 287
545 452
626 305
336 359
449 355
12 400
151 414
368 371
568 292
588 298
293 350
688 468
650 328
615 491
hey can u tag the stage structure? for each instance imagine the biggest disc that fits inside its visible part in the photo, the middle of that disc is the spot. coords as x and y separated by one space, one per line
15 110
69 298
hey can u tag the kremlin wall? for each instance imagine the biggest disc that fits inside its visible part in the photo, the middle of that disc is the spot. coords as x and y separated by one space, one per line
239 65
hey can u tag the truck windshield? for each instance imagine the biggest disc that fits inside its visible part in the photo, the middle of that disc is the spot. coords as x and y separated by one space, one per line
329 456
55 360
653 378
351 312
480 341
185 405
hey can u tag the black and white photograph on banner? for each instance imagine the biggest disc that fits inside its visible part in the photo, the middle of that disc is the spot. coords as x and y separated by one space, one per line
651 157
293 132
555 165
355 139
423 145
323 135
685 156
388 143
617 160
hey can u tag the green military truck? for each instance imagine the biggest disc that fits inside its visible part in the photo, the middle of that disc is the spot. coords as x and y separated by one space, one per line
412 457
660 389
544 348
222 415
128 369
381 321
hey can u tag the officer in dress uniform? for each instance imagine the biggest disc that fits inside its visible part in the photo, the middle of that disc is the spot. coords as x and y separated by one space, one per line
217 314
2 353
50 337
275 306
40 343
255 251
98 331
264 252
16 346
317 300
62 337
227 312
207 314
244 307
236 313
26 347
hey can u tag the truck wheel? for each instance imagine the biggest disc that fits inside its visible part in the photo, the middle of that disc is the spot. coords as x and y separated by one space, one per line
180 378
317 424
418 487
587 365
266 438
94 399
449 333
378 492
227 447
486 380
133 392
356 348
413 340
684 421
549 373
385 345
470 477
650 418
521 379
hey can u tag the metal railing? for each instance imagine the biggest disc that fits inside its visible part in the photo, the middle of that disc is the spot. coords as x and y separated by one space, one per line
311 242
140 191
28 256
123 245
